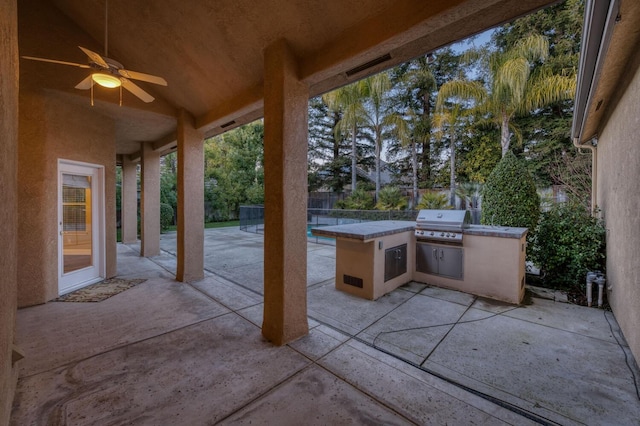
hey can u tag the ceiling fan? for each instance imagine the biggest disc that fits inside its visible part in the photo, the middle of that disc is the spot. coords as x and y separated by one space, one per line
108 72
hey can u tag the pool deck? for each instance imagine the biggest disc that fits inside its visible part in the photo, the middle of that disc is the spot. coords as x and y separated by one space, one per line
165 352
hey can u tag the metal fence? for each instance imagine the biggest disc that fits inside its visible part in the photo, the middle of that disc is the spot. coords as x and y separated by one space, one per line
252 219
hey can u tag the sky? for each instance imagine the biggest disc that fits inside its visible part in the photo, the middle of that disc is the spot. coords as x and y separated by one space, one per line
476 41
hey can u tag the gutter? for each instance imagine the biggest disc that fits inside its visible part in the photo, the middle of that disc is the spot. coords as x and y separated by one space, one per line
599 20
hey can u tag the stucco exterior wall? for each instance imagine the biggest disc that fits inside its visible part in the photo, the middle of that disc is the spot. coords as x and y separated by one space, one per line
56 127
8 206
618 189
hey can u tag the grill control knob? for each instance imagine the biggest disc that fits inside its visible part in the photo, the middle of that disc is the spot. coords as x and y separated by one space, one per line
442 234
431 233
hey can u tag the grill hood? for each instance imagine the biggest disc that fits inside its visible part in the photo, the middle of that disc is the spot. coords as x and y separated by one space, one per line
443 220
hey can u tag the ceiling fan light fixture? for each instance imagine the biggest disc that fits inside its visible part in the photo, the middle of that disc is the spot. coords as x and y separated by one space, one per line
106 80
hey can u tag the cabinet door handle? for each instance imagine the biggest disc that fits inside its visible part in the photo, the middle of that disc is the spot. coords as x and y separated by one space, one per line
441 254
435 253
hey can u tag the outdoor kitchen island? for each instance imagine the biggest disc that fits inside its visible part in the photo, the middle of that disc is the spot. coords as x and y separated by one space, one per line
374 258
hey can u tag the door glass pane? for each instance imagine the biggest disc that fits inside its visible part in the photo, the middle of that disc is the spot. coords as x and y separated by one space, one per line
76 222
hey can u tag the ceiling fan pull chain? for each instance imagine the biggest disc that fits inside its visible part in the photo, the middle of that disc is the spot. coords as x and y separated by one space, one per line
91 92
120 95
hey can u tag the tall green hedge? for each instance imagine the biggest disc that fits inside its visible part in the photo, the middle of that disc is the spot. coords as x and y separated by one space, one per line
166 216
509 196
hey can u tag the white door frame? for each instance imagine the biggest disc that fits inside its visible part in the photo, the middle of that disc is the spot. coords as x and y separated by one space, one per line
80 278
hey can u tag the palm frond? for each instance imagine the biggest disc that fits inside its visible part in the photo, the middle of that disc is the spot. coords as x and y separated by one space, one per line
547 90
510 81
460 89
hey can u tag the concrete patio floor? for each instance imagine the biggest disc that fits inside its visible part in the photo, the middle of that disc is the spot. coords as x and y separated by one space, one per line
168 353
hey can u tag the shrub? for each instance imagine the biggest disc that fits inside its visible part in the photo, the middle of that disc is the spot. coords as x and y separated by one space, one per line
166 216
470 192
391 198
568 243
358 200
434 200
509 196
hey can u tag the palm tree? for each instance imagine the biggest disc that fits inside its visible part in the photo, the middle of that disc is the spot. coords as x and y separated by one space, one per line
405 127
412 126
513 87
376 94
421 83
452 109
349 101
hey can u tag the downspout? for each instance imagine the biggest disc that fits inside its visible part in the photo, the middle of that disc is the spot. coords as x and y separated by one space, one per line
591 145
599 21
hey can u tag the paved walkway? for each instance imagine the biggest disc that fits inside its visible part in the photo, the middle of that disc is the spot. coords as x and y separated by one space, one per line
167 353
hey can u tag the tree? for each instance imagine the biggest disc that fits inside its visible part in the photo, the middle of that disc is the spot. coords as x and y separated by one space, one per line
546 131
478 155
452 112
234 170
513 88
378 115
411 121
348 101
405 126
329 152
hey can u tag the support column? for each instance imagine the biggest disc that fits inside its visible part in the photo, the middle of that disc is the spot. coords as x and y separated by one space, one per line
190 200
129 205
150 202
285 236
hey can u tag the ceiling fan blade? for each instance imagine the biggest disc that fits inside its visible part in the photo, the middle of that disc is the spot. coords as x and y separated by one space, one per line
143 77
54 61
94 57
85 84
136 90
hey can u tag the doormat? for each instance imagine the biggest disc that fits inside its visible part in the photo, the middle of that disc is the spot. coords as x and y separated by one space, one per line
100 291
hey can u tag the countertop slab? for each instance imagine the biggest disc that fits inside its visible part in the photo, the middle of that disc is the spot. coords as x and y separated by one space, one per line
365 230
496 231
369 230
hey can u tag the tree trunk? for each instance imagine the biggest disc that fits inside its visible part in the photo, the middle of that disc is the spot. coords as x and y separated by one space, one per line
414 177
354 159
504 134
377 167
426 141
452 180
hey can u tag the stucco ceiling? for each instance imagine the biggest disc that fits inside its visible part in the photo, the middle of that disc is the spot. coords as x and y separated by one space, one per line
211 51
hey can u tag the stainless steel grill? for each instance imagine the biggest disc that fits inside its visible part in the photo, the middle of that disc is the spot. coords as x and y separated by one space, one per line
442 225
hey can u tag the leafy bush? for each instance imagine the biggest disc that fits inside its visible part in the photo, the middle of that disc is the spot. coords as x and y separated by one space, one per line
391 198
509 196
358 200
434 200
568 243
166 216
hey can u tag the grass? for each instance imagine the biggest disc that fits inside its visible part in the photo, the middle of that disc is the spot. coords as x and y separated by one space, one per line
206 225
222 224
210 225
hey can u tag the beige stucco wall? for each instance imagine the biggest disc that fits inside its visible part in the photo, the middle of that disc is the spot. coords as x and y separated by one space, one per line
366 260
8 206
618 189
55 127
494 267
